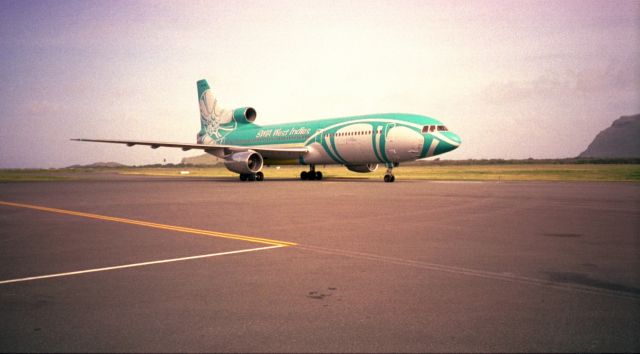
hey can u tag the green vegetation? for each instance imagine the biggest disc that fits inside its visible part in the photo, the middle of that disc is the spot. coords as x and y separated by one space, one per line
469 170
24 175
436 170
531 172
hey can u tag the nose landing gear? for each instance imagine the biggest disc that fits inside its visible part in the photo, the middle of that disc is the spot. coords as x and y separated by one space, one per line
388 176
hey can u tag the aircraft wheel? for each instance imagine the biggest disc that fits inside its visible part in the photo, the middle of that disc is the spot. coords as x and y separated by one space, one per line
259 176
319 176
303 175
388 178
393 178
243 177
251 177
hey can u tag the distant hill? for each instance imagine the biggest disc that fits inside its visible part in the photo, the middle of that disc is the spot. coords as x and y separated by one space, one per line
204 159
621 139
100 164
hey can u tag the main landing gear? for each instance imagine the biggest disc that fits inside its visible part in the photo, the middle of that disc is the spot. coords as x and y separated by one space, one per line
258 176
388 176
311 175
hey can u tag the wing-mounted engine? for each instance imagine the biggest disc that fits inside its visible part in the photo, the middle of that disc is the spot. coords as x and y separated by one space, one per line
244 115
245 162
370 167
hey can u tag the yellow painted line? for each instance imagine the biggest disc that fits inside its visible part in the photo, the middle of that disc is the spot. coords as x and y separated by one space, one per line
153 225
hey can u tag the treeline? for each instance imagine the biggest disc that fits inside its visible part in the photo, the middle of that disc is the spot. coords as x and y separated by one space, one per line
470 162
436 162
529 161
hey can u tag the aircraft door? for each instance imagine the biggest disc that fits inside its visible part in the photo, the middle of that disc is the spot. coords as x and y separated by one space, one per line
390 142
403 143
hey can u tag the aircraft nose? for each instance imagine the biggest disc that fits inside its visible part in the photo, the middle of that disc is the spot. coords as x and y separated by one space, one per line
454 140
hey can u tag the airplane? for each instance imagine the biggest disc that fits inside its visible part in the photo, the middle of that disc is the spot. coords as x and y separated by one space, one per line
360 143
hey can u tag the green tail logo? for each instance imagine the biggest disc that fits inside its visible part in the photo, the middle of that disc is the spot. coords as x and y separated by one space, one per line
215 121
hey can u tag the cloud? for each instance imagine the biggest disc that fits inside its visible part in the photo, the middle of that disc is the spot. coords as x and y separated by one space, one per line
42 107
611 80
513 91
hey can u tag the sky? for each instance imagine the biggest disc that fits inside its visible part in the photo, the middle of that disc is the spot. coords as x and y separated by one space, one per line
515 79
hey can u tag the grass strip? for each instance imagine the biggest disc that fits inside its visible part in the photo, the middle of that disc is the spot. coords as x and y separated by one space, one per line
500 172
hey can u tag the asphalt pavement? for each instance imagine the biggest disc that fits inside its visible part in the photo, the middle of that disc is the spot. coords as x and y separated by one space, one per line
141 264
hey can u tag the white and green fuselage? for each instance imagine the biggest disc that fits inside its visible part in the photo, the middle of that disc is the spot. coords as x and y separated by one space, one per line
360 140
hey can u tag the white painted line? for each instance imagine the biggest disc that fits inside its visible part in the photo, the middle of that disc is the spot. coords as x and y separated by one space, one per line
137 264
461 182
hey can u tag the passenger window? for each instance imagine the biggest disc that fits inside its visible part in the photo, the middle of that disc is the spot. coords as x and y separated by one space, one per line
432 128
425 129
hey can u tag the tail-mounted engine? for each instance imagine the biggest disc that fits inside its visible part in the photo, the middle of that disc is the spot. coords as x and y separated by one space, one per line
246 162
244 115
370 167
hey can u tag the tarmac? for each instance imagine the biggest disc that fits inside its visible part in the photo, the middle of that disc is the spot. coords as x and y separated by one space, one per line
143 264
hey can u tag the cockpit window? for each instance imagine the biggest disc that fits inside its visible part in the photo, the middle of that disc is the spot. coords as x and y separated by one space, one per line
433 128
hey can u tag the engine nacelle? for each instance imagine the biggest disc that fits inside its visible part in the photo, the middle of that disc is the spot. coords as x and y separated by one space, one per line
246 162
244 115
370 167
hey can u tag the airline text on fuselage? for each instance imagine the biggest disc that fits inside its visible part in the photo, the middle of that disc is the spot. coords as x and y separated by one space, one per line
278 132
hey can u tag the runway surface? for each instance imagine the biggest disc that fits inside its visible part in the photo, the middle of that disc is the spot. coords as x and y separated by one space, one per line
216 265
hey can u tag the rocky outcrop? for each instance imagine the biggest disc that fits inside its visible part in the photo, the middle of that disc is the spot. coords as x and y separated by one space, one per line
621 139
100 165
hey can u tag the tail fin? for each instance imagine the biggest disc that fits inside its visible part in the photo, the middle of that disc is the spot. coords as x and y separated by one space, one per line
215 121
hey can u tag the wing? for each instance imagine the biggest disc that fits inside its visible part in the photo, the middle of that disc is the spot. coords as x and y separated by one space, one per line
218 150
